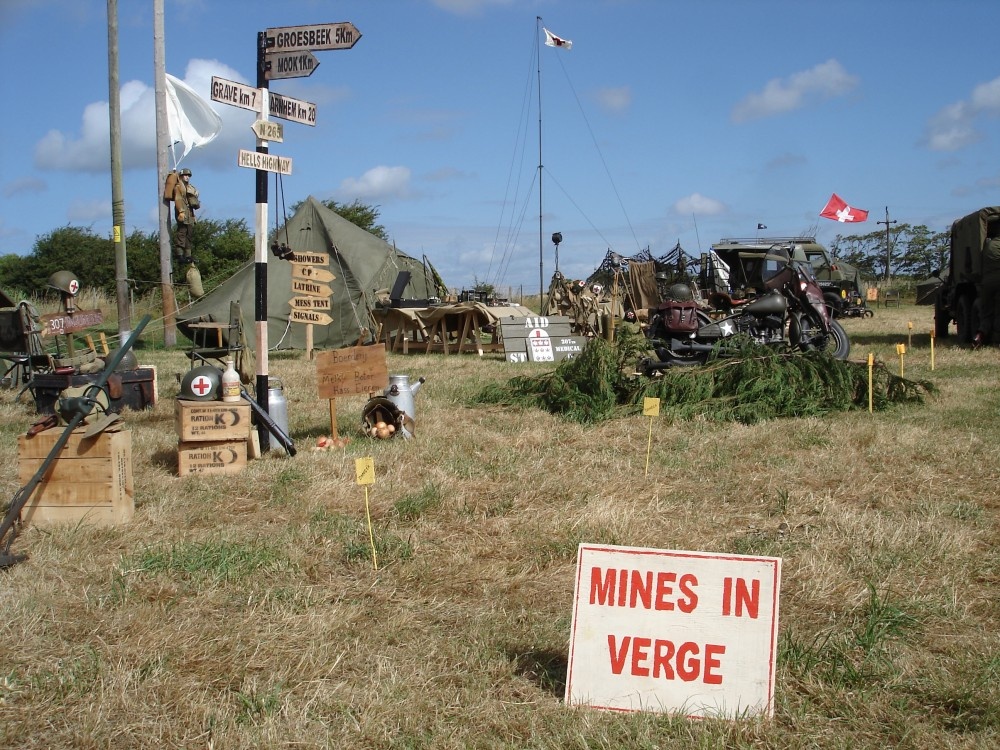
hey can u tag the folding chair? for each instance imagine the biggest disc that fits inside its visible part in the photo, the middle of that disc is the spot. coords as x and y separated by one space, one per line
216 341
890 297
21 349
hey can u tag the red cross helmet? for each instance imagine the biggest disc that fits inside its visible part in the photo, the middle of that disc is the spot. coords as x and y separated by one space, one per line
201 384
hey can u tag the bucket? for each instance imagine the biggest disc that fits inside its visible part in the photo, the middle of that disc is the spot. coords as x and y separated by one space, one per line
277 409
381 409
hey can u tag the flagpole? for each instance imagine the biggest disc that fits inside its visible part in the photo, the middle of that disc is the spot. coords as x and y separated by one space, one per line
541 269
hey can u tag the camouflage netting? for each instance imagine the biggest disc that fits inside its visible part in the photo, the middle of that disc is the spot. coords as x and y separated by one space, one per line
758 385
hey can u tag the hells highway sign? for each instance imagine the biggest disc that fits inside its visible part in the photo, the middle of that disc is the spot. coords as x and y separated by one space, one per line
266 162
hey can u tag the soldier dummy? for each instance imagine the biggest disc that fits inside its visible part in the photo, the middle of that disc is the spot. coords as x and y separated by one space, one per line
989 290
186 201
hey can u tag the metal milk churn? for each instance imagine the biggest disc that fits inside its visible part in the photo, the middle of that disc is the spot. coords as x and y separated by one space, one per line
277 409
400 393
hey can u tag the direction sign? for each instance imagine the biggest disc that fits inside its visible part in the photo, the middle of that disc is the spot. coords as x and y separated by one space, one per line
267 162
291 65
287 108
235 93
309 316
56 324
312 256
311 288
311 273
310 303
318 37
267 130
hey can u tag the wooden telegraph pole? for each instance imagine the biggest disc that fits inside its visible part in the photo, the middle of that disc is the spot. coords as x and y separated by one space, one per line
888 243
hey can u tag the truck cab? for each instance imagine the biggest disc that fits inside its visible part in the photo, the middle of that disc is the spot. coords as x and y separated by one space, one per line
957 296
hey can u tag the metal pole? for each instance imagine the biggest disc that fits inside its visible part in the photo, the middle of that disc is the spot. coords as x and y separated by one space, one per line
117 201
888 244
162 137
541 264
260 252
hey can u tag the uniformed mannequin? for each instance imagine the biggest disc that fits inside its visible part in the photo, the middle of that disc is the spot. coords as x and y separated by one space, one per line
186 201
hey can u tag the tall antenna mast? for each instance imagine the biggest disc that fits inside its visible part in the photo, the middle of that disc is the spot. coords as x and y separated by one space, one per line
541 270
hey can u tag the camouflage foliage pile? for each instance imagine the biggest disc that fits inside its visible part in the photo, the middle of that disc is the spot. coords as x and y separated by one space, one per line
758 384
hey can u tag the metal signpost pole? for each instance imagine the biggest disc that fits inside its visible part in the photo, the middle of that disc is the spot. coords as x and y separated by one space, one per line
260 251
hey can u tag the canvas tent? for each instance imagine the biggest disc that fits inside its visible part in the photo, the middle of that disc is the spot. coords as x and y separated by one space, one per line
363 266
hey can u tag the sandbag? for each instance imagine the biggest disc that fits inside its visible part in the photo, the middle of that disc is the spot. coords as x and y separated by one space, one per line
193 277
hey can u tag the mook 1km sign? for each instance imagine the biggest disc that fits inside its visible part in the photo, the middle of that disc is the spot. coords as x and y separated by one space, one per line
667 631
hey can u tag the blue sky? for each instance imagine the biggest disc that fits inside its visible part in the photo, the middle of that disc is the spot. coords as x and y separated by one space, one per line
667 121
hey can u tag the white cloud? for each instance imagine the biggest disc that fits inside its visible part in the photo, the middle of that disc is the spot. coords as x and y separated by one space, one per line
24 185
90 150
616 99
378 183
954 126
696 203
780 95
85 212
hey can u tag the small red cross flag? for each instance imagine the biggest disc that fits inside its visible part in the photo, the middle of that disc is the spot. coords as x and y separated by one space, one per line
837 210
551 40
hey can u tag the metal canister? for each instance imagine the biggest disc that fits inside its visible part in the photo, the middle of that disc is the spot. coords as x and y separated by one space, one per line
277 409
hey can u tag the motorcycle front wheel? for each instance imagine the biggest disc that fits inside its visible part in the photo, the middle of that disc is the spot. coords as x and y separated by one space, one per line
836 343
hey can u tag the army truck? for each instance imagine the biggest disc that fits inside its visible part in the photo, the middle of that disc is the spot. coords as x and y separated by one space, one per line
841 283
957 295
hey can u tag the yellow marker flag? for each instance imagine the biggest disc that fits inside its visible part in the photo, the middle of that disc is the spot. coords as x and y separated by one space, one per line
364 471
650 408
871 366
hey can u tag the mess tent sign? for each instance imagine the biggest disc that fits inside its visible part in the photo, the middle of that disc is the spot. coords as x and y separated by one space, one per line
672 631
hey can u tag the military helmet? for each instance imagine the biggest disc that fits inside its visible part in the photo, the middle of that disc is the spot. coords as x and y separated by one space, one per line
201 384
65 281
680 293
185 172
128 361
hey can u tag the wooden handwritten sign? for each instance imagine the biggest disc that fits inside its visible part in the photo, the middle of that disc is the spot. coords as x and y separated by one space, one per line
58 324
358 370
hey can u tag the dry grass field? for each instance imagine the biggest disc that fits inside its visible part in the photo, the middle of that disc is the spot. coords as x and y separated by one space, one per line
245 611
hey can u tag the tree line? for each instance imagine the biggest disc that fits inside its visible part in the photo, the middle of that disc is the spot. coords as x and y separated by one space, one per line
914 252
220 248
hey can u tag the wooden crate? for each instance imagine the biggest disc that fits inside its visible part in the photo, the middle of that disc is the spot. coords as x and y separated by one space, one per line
214 457
90 481
212 421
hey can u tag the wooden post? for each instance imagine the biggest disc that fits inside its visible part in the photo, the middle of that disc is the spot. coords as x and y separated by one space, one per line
333 418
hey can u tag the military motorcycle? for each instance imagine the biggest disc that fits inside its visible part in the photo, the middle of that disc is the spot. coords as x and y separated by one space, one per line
785 310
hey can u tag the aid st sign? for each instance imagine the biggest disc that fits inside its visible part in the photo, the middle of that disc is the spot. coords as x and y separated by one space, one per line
674 631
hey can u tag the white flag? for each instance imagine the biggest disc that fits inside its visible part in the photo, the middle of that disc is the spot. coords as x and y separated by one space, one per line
551 40
190 119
